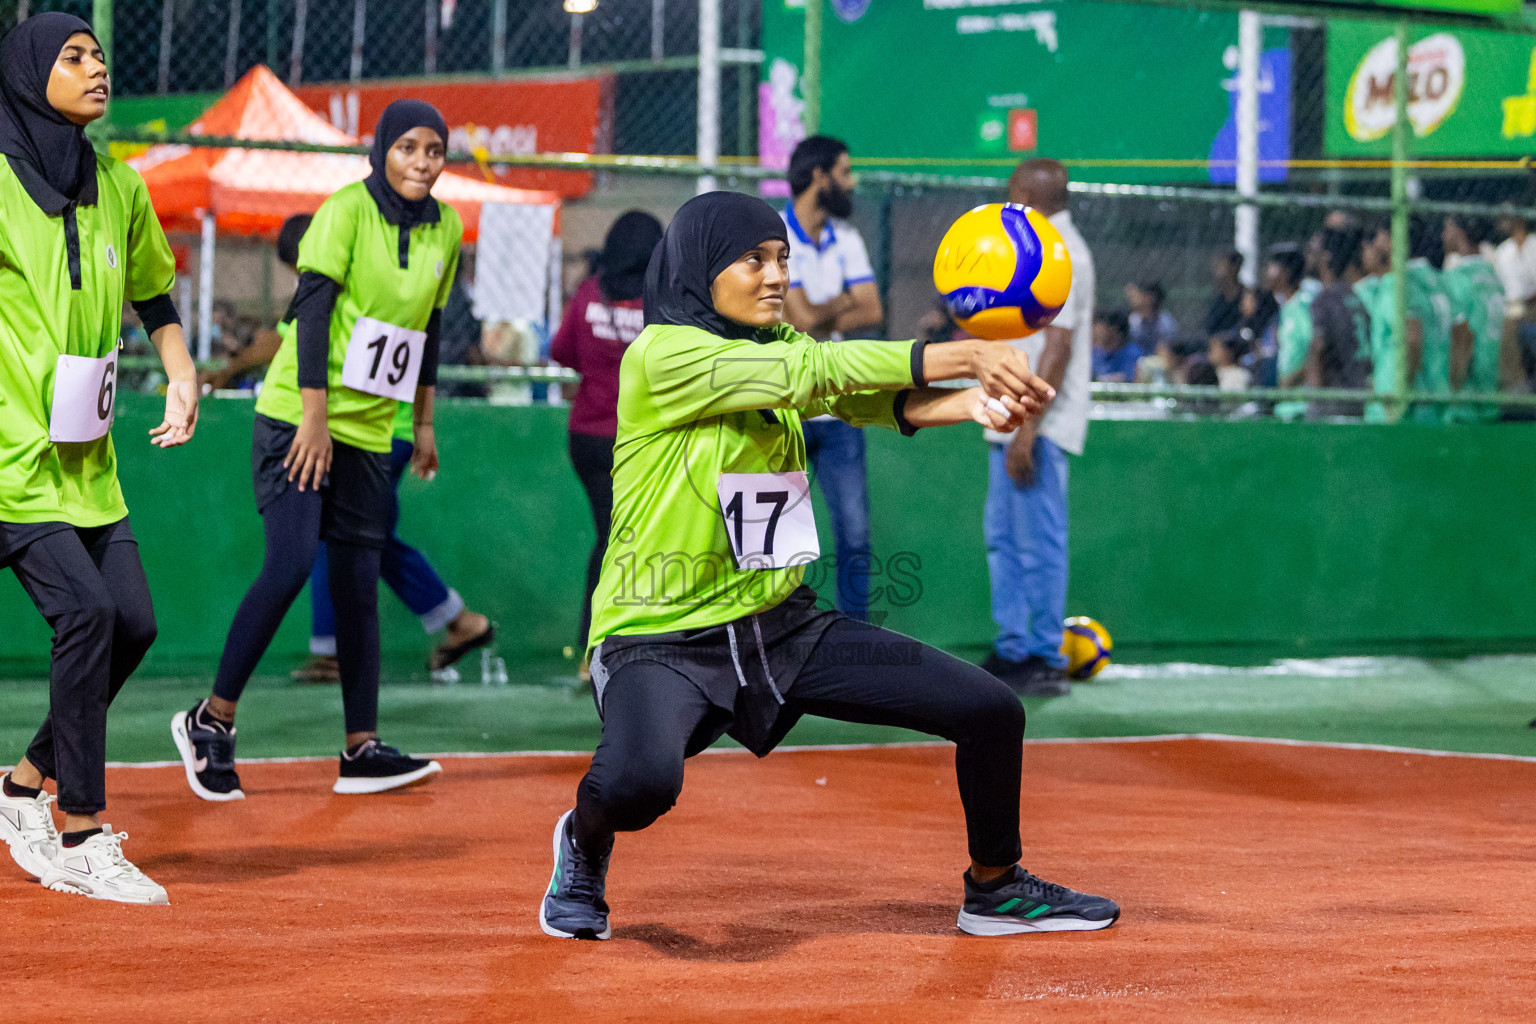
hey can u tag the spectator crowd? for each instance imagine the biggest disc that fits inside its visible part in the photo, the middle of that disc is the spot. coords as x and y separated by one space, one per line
1322 316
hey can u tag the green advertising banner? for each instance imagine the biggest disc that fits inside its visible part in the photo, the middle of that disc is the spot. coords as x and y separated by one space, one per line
1471 92
1123 92
1486 8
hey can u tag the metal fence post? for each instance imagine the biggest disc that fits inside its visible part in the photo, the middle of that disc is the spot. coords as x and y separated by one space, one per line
274 18
885 247
359 35
232 45
498 38
709 91
746 84
167 23
658 31
429 61
205 289
810 75
573 57
296 58
101 24
1250 44
1401 131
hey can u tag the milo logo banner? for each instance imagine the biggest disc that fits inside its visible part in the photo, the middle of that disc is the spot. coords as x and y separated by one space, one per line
1470 92
1128 92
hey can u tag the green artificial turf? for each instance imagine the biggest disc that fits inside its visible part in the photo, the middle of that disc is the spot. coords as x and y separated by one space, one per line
1481 704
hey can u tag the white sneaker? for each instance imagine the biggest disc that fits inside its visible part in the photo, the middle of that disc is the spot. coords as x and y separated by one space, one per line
26 824
98 869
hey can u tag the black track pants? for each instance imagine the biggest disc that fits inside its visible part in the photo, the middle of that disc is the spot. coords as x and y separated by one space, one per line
653 718
90 586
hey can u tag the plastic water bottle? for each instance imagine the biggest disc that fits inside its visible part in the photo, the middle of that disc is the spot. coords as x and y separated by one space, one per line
493 669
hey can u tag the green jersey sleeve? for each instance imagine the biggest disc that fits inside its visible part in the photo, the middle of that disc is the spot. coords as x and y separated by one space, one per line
860 409
327 246
689 374
445 286
151 270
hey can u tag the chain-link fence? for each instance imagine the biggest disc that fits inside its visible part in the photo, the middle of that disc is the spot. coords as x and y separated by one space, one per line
646 52
1273 136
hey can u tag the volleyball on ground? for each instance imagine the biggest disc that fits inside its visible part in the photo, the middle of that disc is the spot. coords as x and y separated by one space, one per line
1086 645
1003 270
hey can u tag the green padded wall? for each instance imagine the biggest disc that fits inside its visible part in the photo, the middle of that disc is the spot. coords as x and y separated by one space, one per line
1309 538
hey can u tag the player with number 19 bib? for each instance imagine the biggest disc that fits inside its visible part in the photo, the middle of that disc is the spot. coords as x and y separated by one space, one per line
375 269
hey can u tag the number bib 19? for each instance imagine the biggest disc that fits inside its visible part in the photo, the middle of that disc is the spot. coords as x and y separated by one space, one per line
84 396
769 519
383 359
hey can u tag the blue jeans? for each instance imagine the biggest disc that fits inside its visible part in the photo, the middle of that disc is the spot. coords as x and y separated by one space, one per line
405 569
1026 530
835 451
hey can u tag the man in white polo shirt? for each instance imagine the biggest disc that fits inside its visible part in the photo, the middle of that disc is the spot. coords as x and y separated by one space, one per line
1026 516
832 296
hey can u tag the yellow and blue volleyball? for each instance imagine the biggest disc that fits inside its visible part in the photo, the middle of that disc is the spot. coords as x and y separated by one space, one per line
1003 270
1087 646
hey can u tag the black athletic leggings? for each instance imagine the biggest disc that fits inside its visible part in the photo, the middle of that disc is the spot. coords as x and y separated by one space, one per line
89 584
592 456
291 521
653 718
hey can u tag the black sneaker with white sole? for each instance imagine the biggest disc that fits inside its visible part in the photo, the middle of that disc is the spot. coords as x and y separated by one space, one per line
207 748
373 767
1021 902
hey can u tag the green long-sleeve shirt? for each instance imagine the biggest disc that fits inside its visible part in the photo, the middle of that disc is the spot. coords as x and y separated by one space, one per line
123 255
691 408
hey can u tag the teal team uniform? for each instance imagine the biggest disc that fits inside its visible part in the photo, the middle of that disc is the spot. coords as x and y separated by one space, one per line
689 406
1427 304
1434 376
351 243
123 256
1293 339
1477 300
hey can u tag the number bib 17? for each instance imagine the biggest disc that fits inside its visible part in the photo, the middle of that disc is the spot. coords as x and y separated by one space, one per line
769 519
84 397
383 359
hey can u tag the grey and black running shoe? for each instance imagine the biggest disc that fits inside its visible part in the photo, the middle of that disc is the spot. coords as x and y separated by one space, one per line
573 907
1025 903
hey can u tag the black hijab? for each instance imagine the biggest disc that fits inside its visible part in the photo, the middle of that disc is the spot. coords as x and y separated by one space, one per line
398 118
49 153
708 234
626 253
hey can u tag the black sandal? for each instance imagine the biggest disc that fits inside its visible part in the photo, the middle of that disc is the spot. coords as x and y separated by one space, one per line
445 654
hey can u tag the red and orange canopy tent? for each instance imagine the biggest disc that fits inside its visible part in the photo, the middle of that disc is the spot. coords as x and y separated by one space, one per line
251 191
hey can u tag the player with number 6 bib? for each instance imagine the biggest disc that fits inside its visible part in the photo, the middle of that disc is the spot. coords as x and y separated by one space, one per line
77 237
701 624
375 270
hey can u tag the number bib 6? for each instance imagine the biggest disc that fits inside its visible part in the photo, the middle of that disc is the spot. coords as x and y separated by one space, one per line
769 519
84 397
383 359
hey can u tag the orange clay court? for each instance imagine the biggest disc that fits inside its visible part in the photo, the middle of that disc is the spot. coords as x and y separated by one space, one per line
1260 881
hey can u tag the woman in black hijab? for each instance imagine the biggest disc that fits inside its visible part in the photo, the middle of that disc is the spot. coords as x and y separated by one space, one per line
701 622
376 266
64 528
601 320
